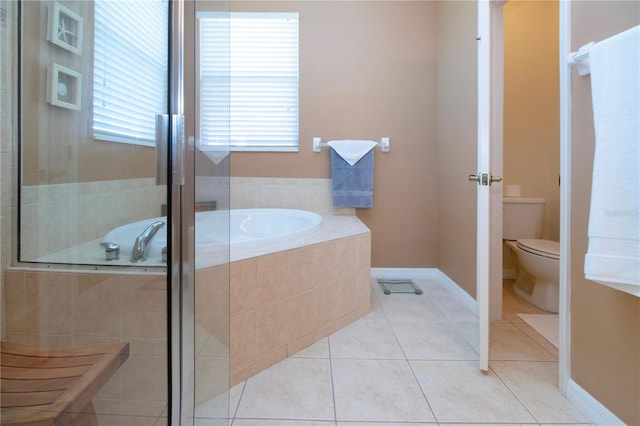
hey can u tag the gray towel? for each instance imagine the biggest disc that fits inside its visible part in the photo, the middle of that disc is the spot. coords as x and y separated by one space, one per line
352 185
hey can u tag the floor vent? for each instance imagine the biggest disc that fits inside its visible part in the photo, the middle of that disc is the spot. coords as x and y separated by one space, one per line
398 286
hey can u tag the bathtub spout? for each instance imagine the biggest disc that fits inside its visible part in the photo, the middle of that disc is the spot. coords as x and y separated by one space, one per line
142 244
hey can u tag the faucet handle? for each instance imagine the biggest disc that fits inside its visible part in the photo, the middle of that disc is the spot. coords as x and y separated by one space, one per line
111 250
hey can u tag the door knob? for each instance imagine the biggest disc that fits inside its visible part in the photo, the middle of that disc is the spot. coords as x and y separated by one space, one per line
485 179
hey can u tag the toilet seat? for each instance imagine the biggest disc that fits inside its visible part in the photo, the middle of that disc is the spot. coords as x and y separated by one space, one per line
545 248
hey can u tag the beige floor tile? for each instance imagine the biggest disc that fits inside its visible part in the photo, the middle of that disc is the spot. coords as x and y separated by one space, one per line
409 307
319 349
458 391
433 341
295 388
536 385
281 422
365 339
376 390
509 343
384 424
450 306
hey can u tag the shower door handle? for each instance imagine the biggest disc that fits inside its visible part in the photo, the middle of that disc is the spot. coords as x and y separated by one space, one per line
162 154
177 149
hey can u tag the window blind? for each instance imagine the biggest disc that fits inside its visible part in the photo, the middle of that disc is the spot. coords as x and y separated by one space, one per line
130 76
249 81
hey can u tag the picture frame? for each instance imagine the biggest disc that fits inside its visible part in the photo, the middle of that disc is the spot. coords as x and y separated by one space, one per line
64 87
65 28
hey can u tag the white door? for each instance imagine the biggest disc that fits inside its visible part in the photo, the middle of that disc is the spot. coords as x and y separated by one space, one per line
484 179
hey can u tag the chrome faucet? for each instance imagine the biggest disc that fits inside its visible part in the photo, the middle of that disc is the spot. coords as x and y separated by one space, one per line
141 246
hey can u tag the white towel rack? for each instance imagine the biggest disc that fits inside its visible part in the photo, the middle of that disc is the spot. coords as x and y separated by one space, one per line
580 59
318 144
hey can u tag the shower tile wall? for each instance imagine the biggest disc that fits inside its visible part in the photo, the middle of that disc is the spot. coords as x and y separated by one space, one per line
69 309
56 217
290 193
8 118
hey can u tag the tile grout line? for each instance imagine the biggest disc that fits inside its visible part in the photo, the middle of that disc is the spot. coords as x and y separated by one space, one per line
333 391
405 357
495 373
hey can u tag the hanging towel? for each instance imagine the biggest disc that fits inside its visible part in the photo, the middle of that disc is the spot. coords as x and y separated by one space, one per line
613 256
352 150
352 184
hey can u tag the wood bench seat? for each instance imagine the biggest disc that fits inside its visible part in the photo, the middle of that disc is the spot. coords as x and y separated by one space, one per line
41 386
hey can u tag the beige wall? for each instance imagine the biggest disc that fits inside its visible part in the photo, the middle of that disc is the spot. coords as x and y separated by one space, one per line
531 105
457 118
368 70
57 143
605 323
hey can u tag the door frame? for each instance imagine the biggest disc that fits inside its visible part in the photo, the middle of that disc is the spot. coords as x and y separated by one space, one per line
497 78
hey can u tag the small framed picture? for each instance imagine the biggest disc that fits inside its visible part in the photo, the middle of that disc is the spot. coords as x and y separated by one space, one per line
63 87
65 28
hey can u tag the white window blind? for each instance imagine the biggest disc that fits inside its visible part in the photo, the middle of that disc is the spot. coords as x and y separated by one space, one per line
130 75
249 81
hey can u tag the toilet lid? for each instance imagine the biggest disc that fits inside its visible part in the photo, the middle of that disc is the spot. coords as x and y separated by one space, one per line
544 248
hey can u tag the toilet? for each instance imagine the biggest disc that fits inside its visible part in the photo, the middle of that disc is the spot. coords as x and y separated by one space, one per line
537 261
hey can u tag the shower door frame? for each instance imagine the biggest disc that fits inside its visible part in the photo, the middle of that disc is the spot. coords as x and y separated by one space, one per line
181 270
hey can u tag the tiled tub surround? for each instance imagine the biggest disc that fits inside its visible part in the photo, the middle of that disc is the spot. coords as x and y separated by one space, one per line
287 300
56 217
281 300
313 194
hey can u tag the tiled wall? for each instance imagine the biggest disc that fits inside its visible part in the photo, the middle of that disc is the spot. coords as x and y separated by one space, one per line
285 301
290 193
67 309
56 217
279 304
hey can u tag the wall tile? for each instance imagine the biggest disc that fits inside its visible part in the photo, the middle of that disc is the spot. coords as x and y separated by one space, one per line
302 314
326 261
244 291
243 340
272 327
144 378
48 303
326 303
96 306
144 306
301 269
273 281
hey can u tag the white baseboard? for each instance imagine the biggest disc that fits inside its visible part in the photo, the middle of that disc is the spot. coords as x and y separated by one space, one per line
428 273
458 292
399 273
591 407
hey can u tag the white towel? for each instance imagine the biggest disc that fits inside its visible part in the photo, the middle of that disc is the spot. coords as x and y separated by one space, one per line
613 257
352 150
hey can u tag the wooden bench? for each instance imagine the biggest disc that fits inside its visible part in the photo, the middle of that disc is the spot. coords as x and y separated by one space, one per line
51 386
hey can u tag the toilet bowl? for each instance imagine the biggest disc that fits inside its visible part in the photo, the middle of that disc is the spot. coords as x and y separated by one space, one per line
538 261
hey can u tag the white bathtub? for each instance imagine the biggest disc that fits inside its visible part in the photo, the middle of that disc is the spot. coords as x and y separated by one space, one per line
246 230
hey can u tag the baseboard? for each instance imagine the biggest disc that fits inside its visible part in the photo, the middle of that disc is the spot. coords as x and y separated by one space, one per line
398 273
457 291
426 273
591 407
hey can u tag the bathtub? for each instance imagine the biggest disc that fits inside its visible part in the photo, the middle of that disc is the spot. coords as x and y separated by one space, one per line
247 231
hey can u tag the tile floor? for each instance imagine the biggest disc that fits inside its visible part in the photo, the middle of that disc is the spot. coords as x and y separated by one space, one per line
412 361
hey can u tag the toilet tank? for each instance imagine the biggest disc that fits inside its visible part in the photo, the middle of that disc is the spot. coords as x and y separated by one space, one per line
522 217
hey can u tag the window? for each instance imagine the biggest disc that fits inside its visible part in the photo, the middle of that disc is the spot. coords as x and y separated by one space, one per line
252 102
130 69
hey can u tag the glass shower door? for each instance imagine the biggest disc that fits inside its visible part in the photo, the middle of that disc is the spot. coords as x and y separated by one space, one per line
107 267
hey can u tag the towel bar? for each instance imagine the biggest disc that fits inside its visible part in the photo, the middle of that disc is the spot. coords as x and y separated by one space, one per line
580 59
318 145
